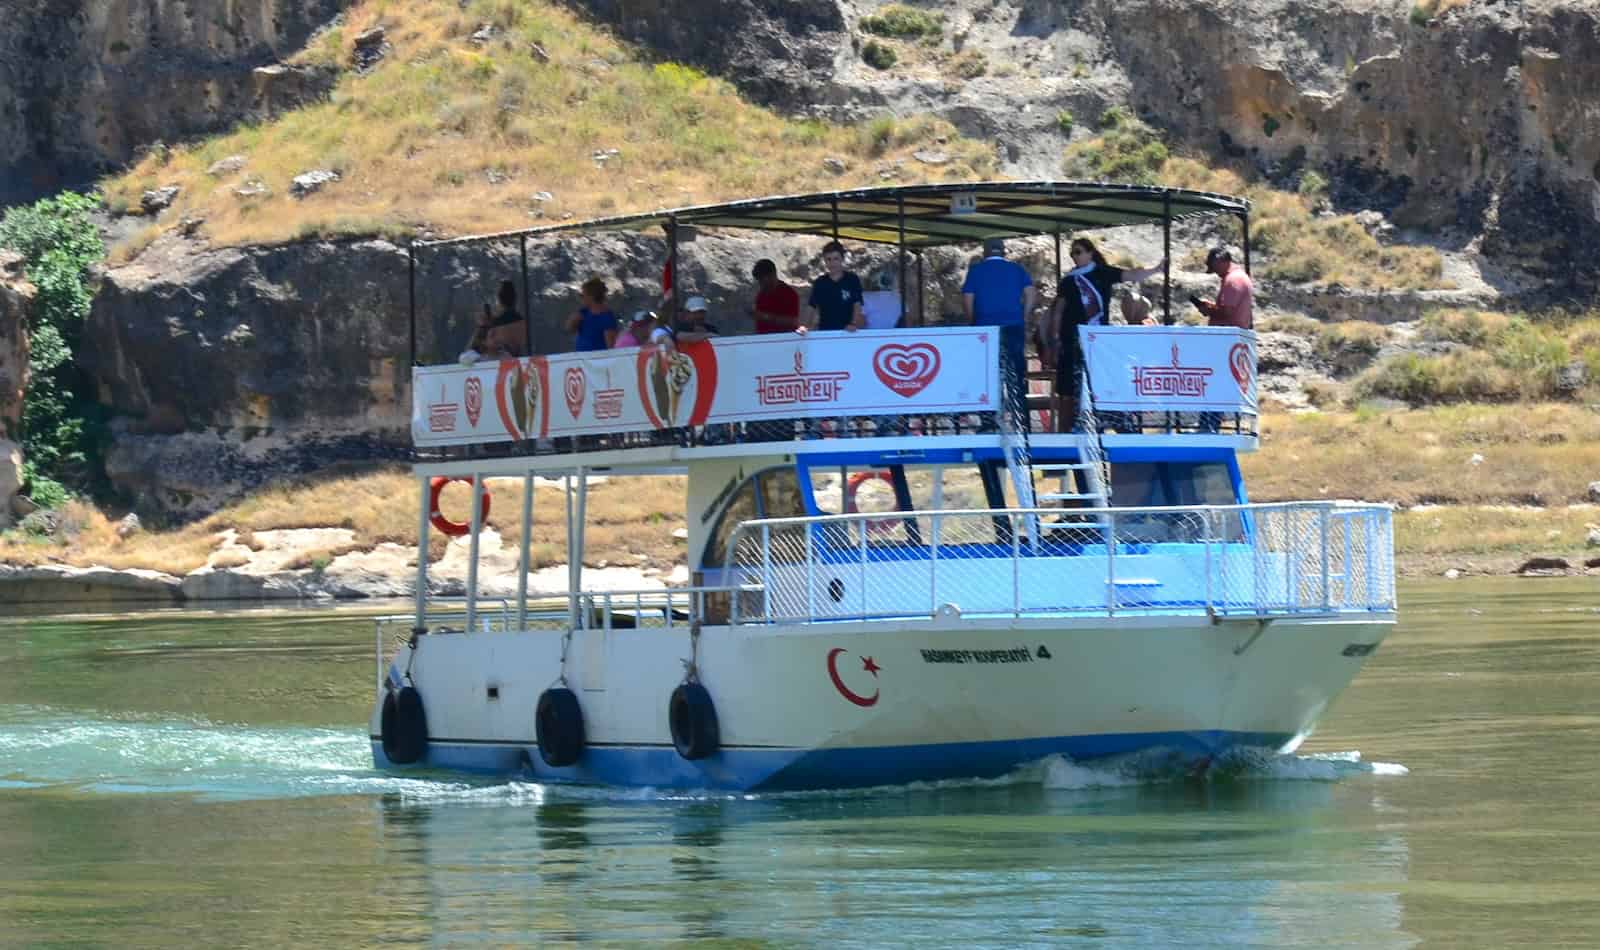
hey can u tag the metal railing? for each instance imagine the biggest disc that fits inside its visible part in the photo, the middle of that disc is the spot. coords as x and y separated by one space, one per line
1222 561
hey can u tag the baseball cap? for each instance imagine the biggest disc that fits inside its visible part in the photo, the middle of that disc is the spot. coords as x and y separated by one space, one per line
640 316
994 247
694 303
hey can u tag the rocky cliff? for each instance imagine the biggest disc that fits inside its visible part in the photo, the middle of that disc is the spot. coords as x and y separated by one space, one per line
86 83
1475 121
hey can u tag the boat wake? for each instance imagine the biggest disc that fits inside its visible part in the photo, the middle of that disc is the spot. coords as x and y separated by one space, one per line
48 749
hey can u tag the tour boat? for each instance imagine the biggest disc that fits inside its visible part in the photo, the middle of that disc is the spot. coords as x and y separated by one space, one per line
902 568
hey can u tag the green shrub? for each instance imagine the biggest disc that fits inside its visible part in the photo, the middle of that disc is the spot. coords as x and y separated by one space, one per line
899 20
1129 153
970 64
1462 376
1351 345
1115 118
877 135
1468 327
877 55
58 243
1064 122
1313 185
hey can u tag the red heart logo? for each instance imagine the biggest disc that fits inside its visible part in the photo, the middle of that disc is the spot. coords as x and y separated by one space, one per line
474 400
906 370
1239 362
574 384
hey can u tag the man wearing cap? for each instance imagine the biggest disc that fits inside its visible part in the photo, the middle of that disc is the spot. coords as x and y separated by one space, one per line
693 325
999 293
777 306
1235 303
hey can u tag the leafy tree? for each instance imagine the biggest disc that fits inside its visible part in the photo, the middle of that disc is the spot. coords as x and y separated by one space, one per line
58 243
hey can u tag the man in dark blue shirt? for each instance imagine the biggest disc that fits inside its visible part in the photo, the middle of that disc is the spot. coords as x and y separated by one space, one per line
835 302
999 293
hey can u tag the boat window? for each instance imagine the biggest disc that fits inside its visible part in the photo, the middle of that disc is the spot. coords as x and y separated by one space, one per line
742 507
1160 484
1175 484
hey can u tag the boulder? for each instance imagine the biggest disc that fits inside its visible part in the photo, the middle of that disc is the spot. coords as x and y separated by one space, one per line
311 182
157 200
226 166
1593 538
1544 565
1593 493
129 525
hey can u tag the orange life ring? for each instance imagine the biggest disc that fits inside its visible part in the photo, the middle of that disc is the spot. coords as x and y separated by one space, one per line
855 481
445 525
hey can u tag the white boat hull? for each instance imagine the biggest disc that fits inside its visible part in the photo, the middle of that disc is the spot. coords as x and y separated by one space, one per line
801 707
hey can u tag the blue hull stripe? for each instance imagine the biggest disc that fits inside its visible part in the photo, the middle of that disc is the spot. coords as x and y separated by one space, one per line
766 769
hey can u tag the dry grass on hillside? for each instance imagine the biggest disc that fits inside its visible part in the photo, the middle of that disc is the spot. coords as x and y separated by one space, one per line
1289 240
1544 454
629 519
459 136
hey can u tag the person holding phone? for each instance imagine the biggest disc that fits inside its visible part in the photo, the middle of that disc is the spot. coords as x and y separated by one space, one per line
502 335
1235 303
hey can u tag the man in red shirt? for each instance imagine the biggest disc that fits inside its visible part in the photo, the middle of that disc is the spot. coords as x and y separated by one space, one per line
777 307
1235 300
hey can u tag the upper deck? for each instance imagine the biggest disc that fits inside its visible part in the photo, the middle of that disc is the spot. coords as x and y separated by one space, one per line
1150 386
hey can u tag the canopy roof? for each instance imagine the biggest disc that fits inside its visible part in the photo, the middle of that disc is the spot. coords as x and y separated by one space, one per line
926 215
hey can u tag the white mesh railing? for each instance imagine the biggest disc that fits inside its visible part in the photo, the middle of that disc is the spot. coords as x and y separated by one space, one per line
1253 560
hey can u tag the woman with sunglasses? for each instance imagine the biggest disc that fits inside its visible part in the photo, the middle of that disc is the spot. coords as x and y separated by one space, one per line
1082 299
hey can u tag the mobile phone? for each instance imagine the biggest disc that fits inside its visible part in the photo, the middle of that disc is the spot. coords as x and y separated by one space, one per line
1198 303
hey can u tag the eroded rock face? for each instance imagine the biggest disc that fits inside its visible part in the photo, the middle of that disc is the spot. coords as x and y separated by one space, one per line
1478 120
775 50
84 84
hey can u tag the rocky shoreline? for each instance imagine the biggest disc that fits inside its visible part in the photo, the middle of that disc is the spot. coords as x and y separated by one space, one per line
389 571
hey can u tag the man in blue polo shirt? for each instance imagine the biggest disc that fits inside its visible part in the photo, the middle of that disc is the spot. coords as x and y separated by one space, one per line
999 293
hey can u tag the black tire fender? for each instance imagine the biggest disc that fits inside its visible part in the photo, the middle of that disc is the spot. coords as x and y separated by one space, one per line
404 726
558 724
692 716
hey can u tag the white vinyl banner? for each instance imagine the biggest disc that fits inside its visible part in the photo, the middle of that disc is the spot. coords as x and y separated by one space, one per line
1185 369
736 379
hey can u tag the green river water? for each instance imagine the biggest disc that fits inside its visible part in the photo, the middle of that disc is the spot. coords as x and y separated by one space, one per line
200 779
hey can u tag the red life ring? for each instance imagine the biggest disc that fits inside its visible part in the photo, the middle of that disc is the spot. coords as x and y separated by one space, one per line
855 481
445 525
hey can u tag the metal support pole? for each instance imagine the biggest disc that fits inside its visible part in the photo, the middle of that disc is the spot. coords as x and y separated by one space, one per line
522 559
472 564
575 559
1058 254
900 207
922 294
1166 258
672 266
411 296
572 593
527 304
1244 223
419 625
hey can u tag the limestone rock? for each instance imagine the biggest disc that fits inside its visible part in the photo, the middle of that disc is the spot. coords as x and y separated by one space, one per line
129 525
57 583
157 200
1452 573
835 165
370 48
253 188
226 166
311 182
16 309
1594 492
1593 538
83 87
